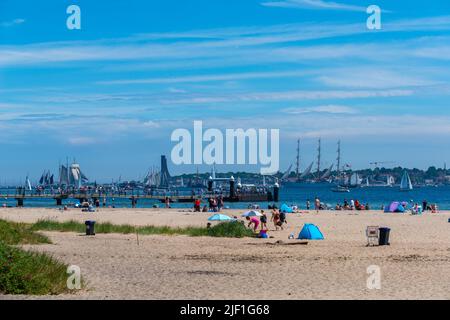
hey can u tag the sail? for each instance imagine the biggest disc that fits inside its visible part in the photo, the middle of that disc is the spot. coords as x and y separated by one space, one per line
287 173
307 171
76 177
63 175
327 174
83 177
355 180
41 180
28 184
406 183
47 178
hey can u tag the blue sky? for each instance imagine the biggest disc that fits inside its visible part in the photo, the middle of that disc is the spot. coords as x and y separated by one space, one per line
111 93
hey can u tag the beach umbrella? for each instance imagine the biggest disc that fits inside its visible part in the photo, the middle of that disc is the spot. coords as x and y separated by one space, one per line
219 217
252 213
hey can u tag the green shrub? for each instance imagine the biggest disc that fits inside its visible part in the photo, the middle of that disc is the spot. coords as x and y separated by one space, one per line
19 233
226 229
230 230
23 272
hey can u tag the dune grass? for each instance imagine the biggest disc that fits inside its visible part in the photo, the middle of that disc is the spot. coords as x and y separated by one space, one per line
26 272
228 229
19 233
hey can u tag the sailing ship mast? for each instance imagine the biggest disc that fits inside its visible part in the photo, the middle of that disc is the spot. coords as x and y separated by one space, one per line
339 158
297 170
318 159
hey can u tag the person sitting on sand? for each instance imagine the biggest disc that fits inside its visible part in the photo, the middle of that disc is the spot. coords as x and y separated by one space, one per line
254 221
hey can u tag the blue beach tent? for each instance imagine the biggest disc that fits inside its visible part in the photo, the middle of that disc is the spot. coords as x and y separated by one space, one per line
310 232
286 209
219 217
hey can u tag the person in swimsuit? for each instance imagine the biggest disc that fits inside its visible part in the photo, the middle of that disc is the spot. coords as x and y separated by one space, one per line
263 220
254 221
276 218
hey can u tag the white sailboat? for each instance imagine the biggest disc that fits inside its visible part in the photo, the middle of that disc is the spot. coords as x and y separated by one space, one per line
28 184
355 180
406 184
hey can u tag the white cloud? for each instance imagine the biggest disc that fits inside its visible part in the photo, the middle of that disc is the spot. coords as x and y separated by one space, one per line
313 4
176 90
151 124
210 77
290 95
374 78
81 140
11 23
235 44
330 109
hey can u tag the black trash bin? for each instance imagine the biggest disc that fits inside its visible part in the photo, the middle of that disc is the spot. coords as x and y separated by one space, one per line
90 227
384 237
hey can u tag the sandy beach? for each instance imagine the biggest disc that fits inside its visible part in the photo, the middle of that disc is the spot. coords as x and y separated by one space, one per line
415 266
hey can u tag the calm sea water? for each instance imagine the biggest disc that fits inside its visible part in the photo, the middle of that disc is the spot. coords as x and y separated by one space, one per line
297 194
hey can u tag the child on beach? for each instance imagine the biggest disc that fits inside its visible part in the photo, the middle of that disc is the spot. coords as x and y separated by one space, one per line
254 221
263 220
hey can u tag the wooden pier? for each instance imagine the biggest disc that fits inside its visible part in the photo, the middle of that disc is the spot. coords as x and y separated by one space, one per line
134 198
233 195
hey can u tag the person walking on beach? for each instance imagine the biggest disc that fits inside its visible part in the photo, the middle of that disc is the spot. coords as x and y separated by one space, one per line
317 204
425 205
276 219
221 205
308 204
282 219
263 220
167 202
